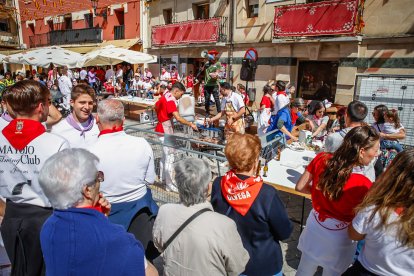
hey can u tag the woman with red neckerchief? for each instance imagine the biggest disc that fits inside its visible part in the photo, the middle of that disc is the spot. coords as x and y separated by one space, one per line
255 207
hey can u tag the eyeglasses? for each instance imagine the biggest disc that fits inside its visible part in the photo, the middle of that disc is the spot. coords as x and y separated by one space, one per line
100 176
302 109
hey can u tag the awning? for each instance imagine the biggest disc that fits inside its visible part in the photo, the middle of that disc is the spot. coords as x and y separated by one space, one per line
86 48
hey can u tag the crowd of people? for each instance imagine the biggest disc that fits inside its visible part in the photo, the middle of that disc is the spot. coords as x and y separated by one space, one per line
75 197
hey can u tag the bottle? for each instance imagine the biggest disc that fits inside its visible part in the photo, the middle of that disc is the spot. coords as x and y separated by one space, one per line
259 165
265 170
278 154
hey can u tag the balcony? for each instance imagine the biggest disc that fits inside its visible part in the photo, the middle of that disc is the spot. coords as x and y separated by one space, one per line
119 32
210 30
6 4
8 40
327 18
67 37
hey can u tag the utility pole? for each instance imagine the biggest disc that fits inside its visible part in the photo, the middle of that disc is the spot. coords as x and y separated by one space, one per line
231 43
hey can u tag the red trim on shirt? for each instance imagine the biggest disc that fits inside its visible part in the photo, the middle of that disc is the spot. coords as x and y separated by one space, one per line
111 130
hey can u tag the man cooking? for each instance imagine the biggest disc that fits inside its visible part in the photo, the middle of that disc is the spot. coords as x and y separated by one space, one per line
233 107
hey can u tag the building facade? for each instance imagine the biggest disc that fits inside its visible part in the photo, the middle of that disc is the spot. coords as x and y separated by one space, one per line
319 46
81 26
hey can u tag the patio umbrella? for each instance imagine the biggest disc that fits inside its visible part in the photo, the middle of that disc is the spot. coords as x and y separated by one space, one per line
111 55
43 57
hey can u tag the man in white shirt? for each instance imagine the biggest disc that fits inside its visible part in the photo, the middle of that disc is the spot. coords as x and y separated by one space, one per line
83 73
79 128
109 74
65 86
119 72
128 163
232 106
24 147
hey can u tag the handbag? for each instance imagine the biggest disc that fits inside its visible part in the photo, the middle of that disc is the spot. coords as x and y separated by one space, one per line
181 228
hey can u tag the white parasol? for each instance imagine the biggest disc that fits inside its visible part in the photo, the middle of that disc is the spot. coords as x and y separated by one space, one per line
111 55
43 57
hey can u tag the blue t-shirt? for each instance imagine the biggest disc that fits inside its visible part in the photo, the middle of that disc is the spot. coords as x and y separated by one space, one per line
284 115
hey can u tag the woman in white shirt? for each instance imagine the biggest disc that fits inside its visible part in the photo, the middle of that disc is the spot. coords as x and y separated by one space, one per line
385 221
319 120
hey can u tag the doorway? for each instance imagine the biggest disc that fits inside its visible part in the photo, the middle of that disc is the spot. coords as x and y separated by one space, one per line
317 80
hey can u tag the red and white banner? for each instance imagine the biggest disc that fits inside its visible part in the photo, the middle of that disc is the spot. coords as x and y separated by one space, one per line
316 19
195 31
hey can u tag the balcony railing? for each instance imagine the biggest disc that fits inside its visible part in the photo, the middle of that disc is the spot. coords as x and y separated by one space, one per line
7 3
119 32
337 17
64 37
9 40
210 30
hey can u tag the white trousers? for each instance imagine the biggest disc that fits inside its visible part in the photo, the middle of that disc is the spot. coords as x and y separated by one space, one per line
167 166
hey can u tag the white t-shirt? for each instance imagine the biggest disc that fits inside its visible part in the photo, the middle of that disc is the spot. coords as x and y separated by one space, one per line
128 164
109 74
389 128
119 73
82 74
3 123
235 99
65 85
280 101
76 140
382 253
22 167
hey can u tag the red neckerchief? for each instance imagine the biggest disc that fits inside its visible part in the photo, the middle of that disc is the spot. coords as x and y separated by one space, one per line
399 210
111 130
281 93
20 132
97 208
294 117
240 194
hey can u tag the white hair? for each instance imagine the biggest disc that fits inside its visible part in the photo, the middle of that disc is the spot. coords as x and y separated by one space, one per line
110 111
192 176
64 175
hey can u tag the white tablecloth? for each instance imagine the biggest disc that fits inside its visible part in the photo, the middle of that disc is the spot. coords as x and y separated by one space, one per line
139 100
289 169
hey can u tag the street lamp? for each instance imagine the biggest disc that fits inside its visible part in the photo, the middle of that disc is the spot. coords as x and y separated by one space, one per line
95 6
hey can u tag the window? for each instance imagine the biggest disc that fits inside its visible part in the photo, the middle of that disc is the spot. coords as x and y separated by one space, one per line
31 28
88 20
167 16
4 25
202 11
252 8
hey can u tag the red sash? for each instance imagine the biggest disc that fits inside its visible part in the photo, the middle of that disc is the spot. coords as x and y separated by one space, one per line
20 132
240 194
281 93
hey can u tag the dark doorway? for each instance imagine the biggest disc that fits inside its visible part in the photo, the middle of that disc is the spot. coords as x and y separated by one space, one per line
317 80
202 11
68 22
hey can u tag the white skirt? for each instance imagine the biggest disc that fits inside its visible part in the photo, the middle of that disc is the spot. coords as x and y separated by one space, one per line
327 243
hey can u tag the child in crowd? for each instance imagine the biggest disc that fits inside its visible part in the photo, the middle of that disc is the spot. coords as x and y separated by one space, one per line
392 125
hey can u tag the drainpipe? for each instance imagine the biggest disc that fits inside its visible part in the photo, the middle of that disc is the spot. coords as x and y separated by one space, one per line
231 43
